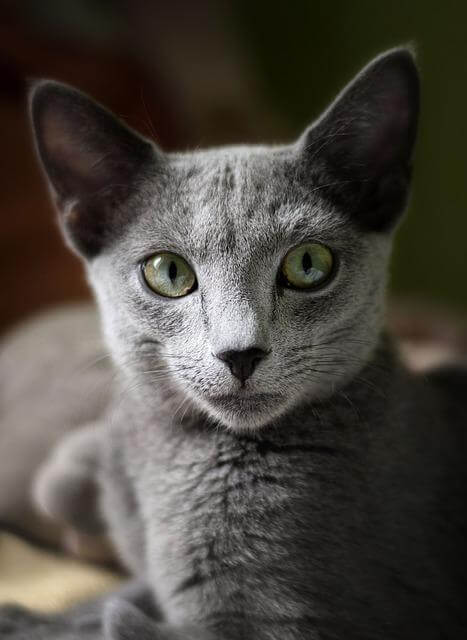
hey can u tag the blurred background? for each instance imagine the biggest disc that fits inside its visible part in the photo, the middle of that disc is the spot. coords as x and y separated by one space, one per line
203 72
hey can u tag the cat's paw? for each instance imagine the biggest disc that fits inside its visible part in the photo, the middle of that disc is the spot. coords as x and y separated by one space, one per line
123 621
67 494
90 548
65 487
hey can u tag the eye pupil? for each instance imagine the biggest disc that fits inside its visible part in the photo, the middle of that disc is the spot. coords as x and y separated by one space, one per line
172 271
307 262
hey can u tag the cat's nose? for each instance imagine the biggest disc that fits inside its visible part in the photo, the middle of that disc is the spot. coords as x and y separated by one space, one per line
242 363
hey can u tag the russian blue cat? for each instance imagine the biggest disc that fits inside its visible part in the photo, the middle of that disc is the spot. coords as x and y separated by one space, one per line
266 468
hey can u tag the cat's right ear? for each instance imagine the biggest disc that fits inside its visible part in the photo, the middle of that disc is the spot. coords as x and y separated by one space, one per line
91 159
362 145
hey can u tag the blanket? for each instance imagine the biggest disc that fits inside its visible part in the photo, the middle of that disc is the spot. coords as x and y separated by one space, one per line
45 581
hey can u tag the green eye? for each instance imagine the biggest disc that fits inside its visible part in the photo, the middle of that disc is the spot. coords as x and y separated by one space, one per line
306 266
169 275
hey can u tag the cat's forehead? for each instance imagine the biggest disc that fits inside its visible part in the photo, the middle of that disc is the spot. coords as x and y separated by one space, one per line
223 200
233 176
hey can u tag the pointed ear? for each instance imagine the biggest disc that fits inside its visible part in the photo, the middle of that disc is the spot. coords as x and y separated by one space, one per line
91 159
363 143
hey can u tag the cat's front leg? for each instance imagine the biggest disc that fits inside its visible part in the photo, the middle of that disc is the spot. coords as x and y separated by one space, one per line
66 487
123 621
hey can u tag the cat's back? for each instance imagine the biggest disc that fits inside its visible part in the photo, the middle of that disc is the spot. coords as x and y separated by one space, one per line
54 357
54 376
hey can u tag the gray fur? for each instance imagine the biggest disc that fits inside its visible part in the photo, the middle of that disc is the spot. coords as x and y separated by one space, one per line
55 376
324 499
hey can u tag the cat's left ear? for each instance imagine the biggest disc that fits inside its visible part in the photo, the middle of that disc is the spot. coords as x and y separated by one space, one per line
91 159
362 145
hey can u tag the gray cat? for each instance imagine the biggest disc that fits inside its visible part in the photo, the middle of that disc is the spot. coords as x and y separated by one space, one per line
266 468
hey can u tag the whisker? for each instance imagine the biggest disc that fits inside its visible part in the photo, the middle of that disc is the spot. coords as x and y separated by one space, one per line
314 345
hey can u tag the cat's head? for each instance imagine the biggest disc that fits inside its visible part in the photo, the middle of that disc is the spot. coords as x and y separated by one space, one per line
247 278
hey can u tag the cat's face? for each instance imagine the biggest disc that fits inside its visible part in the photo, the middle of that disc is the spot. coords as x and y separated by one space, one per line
234 215
249 279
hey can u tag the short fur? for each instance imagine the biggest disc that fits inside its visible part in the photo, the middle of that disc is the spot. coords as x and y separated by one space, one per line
322 499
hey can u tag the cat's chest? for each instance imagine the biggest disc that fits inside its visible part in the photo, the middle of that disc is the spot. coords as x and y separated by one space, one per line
268 529
218 500
236 517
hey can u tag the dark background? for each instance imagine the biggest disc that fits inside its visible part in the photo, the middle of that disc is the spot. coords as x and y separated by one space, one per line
205 72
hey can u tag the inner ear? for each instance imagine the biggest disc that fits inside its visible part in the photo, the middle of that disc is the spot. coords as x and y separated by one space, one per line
364 141
91 159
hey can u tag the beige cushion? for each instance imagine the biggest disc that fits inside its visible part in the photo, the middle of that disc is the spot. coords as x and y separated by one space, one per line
45 581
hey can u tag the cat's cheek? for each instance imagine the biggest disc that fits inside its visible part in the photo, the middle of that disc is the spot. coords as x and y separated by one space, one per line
301 316
165 318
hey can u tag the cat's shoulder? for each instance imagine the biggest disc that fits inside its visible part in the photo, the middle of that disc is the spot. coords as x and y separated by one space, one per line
448 386
451 379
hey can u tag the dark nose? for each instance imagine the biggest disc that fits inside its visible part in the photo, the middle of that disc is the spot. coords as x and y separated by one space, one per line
242 363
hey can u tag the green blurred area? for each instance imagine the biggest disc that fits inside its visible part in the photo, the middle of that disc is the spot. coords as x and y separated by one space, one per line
305 52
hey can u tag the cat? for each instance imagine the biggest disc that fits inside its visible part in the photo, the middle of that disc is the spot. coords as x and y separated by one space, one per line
266 468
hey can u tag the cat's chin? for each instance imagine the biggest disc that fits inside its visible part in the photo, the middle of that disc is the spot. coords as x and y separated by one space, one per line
247 413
